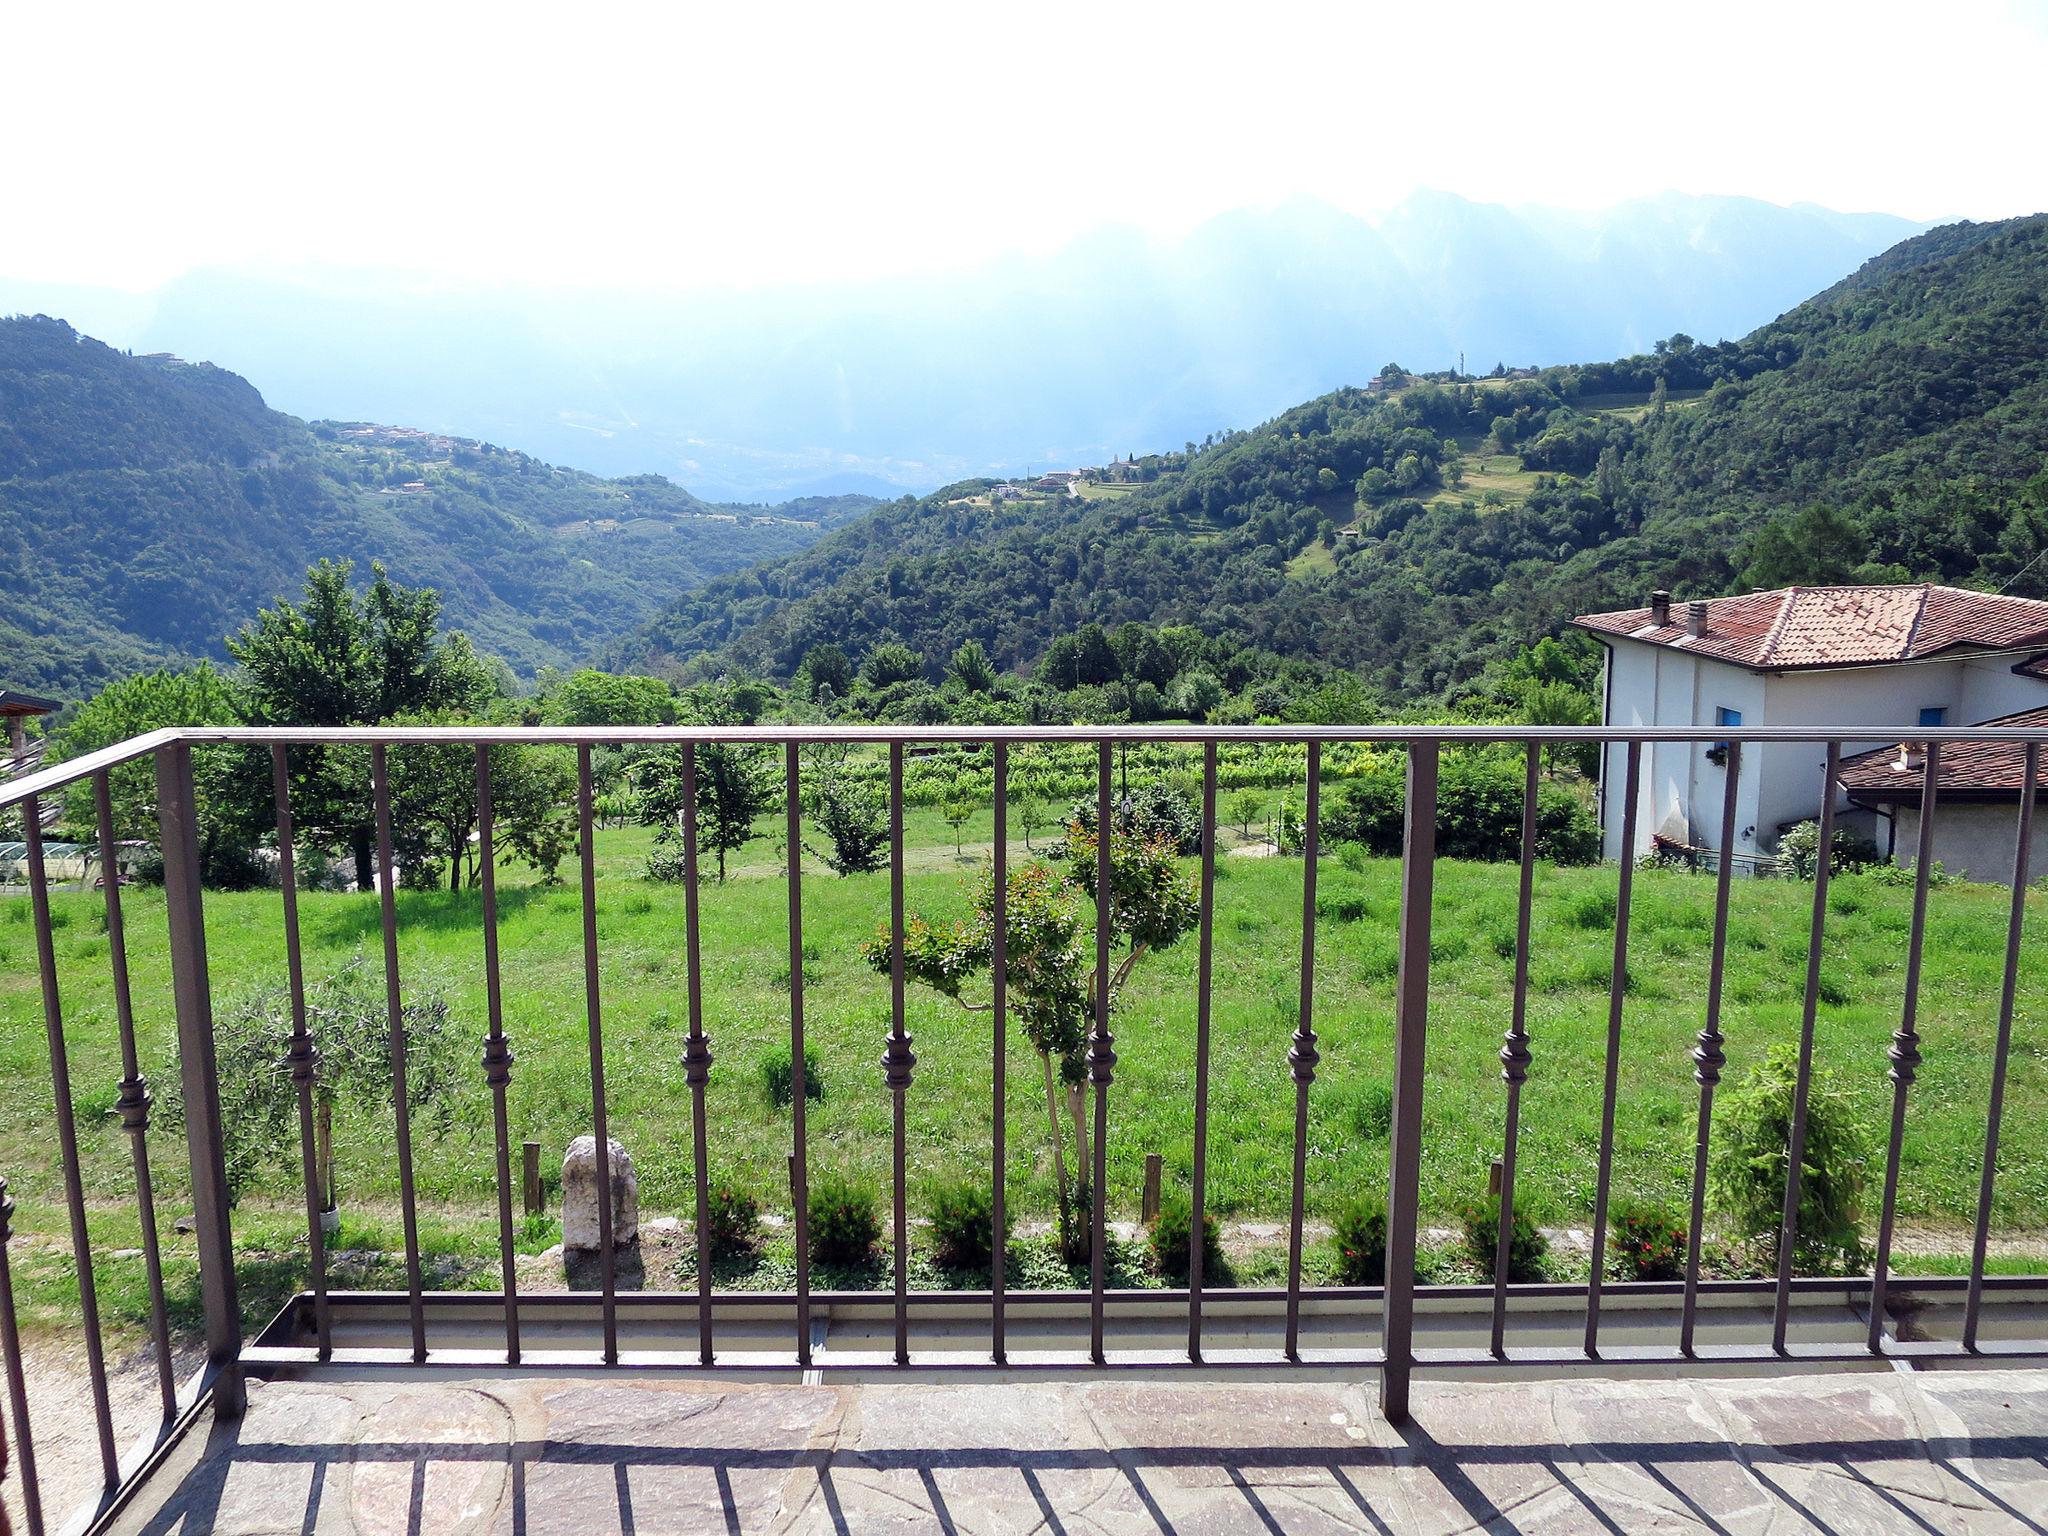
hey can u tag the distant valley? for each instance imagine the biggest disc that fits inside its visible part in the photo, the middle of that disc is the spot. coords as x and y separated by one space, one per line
148 506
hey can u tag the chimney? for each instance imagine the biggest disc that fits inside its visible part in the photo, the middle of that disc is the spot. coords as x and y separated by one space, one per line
1660 607
1696 618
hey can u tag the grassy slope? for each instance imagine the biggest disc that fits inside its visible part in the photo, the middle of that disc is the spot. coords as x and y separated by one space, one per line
949 1115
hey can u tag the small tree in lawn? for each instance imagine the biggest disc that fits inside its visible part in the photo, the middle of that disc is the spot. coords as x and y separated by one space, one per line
1051 980
956 813
1031 816
1246 807
735 785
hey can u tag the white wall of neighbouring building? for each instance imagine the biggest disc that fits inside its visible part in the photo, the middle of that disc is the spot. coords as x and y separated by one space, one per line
1975 842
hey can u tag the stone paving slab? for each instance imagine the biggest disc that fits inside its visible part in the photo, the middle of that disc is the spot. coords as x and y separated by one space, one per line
1936 1452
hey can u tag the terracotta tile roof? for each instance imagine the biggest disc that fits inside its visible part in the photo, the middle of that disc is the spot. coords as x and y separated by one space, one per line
1838 626
1976 769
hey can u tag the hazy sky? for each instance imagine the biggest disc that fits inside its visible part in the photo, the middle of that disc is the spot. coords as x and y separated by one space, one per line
683 144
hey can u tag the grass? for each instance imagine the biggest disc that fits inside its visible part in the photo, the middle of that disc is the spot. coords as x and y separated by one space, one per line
1258 927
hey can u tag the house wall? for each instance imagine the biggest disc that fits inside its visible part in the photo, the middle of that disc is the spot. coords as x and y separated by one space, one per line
1976 842
1882 703
1680 796
1990 688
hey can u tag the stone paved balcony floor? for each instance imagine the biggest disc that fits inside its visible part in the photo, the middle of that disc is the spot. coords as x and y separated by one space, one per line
1933 1451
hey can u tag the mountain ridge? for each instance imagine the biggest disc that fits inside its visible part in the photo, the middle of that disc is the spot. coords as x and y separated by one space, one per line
1912 393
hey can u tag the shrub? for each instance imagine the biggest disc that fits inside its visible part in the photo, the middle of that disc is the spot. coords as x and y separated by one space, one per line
1480 1221
731 1218
1799 852
844 1226
1343 905
1360 1234
1901 876
778 1071
1372 1111
1646 1242
962 1215
1169 1240
1479 811
1753 1140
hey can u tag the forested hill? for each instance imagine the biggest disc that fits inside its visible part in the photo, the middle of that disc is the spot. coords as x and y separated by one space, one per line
150 506
1893 427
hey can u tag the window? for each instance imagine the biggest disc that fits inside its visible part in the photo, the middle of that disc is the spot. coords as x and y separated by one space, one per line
1934 714
1723 715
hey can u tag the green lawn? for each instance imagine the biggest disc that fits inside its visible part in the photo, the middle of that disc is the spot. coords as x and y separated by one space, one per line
1257 928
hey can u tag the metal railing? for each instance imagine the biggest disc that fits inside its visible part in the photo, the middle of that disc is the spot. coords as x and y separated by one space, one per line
229 1355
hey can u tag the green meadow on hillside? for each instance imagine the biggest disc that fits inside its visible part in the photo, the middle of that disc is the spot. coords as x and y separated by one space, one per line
1257 935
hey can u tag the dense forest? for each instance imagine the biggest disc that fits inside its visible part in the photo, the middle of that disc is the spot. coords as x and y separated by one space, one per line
1892 427
149 506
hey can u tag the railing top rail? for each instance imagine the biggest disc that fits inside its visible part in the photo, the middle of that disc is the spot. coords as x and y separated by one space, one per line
1193 735
55 776
46 780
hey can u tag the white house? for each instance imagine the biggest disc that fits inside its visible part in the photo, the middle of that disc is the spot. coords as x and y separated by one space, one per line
1873 660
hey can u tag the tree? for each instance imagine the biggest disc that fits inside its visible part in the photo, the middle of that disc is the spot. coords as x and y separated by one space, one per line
890 664
1818 546
970 668
152 701
1197 693
340 658
345 1014
735 786
1246 807
825 666
590 697
1051 982
1095 658
855 821
434 810
957 812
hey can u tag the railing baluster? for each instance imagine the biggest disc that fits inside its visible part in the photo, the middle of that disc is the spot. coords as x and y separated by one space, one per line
17 1386
199 1073
1905 1047
2030 777
1707 1056
697 1053
1617 988
1795 1149
897 1057
1514 1050
67 1142
394 1008
800 1166
301 1059
497 1048
1301 1054
134 1099
1411 1032
999 970
1101 1058
1199 1202
607 1259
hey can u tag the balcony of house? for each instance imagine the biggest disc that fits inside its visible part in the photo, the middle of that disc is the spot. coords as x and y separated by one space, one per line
785 1128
